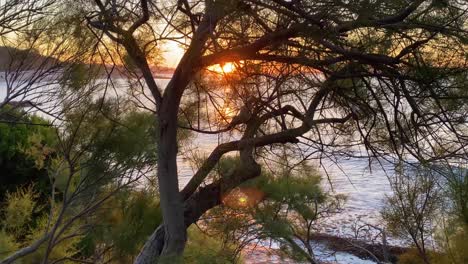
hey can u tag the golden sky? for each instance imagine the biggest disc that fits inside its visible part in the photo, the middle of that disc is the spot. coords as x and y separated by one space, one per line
172 53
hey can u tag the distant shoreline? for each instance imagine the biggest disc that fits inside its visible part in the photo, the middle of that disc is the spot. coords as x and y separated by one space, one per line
166 76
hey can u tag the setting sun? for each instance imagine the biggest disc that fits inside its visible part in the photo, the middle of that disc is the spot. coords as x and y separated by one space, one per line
227 67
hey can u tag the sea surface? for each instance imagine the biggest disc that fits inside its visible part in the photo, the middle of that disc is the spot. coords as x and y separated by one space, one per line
364 184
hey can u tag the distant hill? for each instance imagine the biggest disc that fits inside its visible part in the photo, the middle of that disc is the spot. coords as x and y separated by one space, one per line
11 58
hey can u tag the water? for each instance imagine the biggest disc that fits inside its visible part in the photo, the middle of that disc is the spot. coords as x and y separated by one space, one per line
364 186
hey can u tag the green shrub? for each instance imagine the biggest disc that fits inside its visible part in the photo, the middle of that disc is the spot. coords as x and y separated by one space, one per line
455 248
202 249
19 208
8 244
19 229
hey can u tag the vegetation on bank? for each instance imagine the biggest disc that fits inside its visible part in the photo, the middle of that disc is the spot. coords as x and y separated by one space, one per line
283 206
428 210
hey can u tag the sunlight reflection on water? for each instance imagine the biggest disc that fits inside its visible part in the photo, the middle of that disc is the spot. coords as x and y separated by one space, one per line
365 188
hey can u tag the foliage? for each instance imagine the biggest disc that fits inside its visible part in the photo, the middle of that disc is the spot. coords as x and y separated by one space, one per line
285 206
115 152
24 150
410 213
20 229
455 247
78 76
121 226
295 204
106 143
19 208
453 236
424 209
8 244
66 246
203 248
458 193
412 256
98 154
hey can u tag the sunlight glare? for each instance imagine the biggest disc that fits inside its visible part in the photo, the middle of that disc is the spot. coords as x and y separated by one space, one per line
228 112
227 67
242 200
243 197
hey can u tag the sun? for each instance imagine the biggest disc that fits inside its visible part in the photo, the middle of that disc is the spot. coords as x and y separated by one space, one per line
227 67
243 200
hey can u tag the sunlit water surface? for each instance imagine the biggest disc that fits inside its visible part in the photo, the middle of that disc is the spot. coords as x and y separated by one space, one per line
364 186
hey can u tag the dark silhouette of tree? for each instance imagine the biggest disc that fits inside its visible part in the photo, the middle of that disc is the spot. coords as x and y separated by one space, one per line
386 75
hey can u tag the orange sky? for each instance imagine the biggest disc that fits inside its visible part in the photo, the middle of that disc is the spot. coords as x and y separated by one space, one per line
172 53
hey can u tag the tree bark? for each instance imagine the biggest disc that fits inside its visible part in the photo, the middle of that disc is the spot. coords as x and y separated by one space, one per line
199 203
171 201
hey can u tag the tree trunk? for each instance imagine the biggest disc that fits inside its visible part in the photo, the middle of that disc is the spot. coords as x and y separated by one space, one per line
197 204
171 200
150 252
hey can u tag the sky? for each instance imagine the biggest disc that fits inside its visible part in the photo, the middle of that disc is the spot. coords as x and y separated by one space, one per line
172 53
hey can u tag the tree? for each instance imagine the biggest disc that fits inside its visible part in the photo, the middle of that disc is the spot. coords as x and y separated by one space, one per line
17 15
284 206
453 236
100 152
385 75
323 78
411 212
36 61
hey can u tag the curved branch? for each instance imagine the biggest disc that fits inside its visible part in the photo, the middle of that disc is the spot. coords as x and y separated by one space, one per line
251 50
143 19
26 250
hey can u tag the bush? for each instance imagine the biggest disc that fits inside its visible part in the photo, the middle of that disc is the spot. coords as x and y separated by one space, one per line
202 248
20 229
455 248
8 244
122 225
412 210
19 208
24 152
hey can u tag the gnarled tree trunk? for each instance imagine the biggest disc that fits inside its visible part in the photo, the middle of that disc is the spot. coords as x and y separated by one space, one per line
172 204
199 202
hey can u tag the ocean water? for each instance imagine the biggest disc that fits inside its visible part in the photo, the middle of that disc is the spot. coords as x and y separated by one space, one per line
365 185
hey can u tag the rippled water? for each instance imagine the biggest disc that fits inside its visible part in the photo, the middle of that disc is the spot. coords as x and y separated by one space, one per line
365 186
